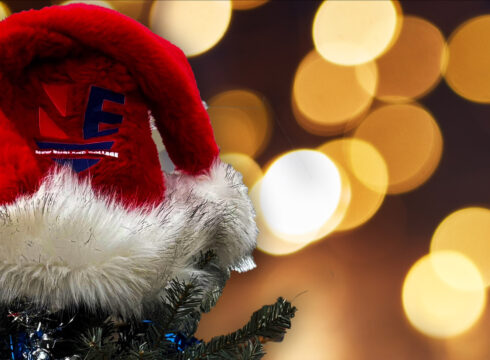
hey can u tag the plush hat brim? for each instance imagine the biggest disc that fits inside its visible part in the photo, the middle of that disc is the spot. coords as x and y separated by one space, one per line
65 246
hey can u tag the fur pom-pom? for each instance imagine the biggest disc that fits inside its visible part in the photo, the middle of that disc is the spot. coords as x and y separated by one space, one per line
66 246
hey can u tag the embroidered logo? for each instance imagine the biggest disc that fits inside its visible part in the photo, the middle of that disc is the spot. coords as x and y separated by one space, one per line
84 155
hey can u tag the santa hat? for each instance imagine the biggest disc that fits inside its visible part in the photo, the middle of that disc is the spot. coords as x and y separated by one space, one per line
86 216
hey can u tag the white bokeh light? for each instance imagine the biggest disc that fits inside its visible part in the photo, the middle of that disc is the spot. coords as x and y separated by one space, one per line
299 193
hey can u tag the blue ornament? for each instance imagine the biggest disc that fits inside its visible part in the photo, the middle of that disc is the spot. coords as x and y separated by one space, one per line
181 341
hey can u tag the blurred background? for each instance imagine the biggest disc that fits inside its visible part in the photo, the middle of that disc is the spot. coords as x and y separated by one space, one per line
362 129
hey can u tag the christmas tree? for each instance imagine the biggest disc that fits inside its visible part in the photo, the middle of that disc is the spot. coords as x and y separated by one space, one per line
32 333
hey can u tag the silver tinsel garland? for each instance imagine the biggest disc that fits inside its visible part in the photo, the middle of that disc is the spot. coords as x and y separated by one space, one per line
37 336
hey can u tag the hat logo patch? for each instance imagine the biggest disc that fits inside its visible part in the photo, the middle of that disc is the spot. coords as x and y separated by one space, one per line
84 155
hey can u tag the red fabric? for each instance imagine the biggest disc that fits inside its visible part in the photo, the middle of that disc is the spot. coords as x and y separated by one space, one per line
50 58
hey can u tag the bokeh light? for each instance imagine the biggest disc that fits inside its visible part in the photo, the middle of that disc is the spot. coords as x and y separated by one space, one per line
364 201
137 9
328 98
193 25
105 4
241 121
247 4
468 232
267 241
4 11
469 55
408 138
156 137
436 307
299 193
413 65
354 32
244 164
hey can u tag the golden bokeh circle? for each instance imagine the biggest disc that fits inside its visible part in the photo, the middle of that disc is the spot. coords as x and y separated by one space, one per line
433 305
413 65
364 201
469 55
410 141
194 26
102 3
4 11
329 99
247 4
241 121
299 194
246 166
468 232
354 32
133 8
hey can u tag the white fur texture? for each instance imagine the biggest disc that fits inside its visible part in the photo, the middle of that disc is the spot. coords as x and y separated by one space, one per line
66 246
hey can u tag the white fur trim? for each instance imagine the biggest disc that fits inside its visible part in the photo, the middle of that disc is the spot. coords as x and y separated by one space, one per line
66 246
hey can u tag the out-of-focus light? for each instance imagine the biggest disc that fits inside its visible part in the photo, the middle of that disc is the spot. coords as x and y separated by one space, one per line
327 98
413 65
247 4
241 121
468 232
469 55
364 200
267 241
299 194
194 26
105 4
157 138
4 11
244 164
408 138
435 306
133 8
354 32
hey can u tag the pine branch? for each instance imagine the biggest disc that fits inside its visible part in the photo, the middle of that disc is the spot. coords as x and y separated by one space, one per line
267 324
216 275
205 259
183 300
96 345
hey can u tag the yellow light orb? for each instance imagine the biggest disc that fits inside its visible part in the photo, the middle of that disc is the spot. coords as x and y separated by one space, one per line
247 4
329 99
267 241
157 139
413 65
136 9
354 32
194 26
241 121
364 201
408 138
468 232
469 55
4 11
299 194
105 4
244 164
434 306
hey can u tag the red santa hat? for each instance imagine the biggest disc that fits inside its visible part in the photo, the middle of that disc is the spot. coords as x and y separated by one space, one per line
86 216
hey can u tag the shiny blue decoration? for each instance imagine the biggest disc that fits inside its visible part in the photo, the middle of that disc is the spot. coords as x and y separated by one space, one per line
181 341
36 336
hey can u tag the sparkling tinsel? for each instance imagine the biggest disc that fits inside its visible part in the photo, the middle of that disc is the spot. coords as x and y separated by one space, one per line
37 336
